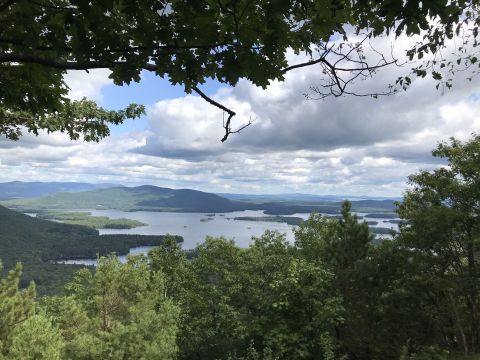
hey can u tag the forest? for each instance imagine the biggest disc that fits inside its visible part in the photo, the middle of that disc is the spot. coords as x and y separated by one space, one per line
332 294
40 244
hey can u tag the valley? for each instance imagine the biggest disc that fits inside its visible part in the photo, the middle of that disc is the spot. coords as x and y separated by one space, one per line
79 225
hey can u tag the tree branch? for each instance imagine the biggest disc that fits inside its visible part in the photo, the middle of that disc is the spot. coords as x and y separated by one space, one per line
304 64
333 85
231 113
61 65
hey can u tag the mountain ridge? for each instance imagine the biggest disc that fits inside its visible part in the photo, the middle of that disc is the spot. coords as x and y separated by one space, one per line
21 189
153 198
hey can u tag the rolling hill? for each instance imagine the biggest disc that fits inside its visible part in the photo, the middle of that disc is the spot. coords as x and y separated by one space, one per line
132 199
153 198
19 189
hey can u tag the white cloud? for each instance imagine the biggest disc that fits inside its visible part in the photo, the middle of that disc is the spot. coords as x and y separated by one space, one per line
347 145
89 85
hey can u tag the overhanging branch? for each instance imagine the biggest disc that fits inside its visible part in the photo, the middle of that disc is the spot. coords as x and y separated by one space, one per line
231 114
341 64
56 64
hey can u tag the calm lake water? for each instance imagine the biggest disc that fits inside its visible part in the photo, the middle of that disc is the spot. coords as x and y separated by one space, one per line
194 231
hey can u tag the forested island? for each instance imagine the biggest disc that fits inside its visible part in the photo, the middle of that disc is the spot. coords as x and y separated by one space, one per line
87 219
296 221
290 220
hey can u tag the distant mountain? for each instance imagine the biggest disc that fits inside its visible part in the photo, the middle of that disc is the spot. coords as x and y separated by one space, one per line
19 189
299 197
153 198
144 197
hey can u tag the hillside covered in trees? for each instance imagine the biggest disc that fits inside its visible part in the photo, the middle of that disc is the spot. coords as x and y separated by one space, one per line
20 189
154 198
39 243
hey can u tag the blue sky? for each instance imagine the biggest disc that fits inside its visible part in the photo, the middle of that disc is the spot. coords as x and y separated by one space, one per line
148 91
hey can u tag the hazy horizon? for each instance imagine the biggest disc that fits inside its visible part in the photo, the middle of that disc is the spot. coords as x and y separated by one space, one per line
259 194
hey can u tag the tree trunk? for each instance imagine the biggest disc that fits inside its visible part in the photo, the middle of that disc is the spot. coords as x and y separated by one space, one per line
458 324
472 298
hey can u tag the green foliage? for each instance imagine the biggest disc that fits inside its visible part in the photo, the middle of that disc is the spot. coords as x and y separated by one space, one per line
259 302
16 306
75 118
171 261
86 219
189 43
36 339
118 312
441 226
123 311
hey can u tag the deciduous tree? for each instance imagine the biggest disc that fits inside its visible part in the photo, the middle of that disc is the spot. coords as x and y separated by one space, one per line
442 227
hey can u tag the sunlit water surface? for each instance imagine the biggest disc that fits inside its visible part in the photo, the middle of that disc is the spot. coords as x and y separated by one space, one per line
194 227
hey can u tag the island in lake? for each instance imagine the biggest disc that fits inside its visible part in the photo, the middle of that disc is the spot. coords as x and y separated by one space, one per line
86 219
290 220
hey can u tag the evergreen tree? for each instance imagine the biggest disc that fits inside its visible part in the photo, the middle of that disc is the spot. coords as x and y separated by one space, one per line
36 339
16 307
117 312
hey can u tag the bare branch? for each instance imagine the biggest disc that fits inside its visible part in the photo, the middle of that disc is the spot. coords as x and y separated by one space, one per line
213 102
231 114
250 122
339 77
335 85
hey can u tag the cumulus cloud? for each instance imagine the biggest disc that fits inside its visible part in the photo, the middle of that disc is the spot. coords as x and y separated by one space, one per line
344 144
349 145
285 120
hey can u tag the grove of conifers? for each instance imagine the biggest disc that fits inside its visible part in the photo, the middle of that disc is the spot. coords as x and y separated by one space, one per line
335 293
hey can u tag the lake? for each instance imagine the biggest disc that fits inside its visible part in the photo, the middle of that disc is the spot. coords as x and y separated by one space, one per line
194 227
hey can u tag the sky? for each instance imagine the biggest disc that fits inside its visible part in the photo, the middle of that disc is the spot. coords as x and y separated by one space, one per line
339 146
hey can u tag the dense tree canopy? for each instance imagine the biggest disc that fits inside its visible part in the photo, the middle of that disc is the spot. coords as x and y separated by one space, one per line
191 41
442 232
